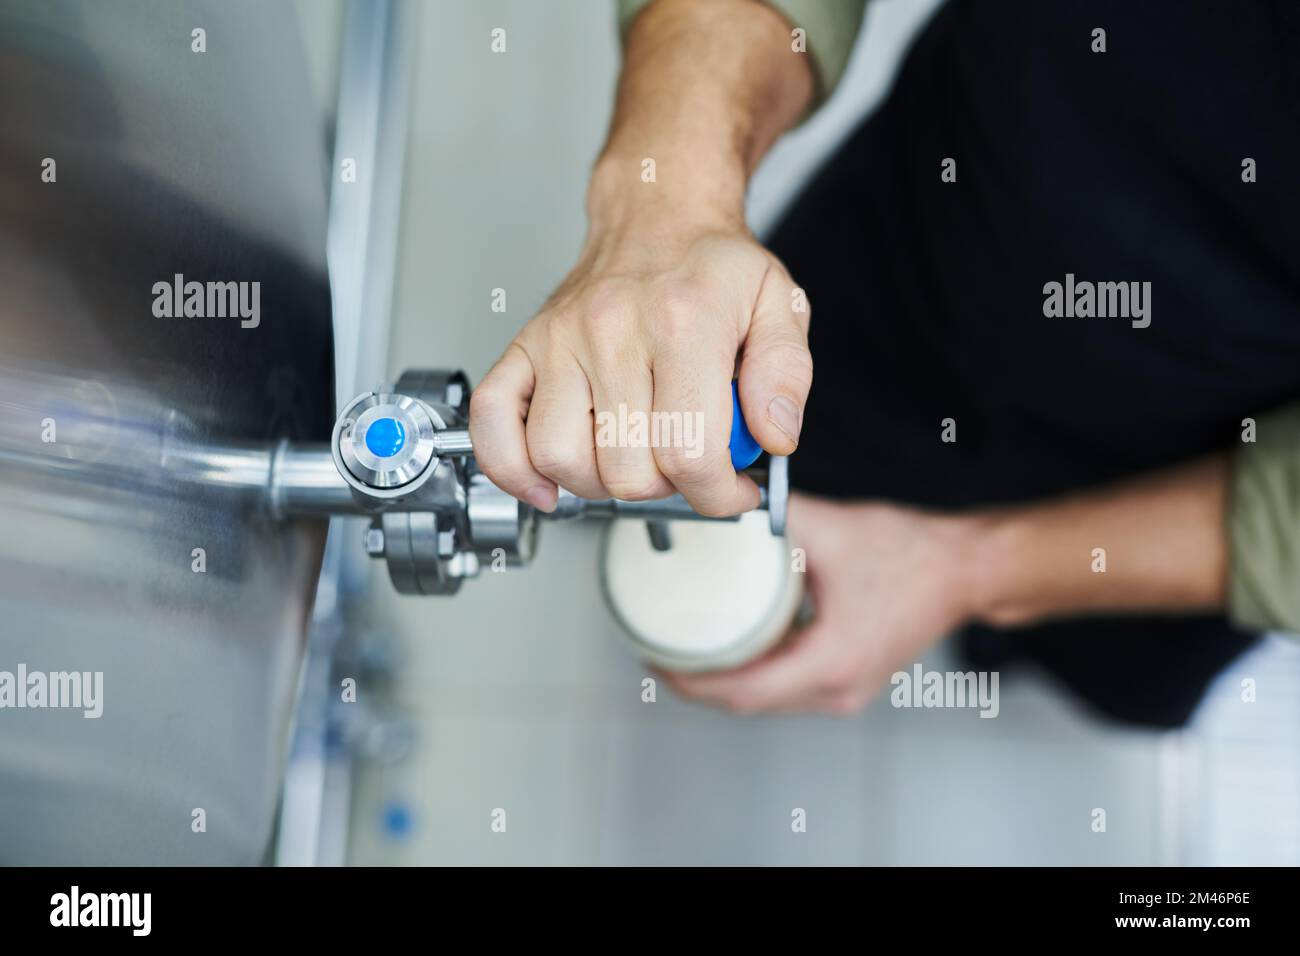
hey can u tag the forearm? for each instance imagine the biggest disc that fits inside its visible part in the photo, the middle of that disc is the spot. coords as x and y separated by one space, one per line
1161 540
707 87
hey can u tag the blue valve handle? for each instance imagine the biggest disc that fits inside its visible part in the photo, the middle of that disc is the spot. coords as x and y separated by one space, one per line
744 450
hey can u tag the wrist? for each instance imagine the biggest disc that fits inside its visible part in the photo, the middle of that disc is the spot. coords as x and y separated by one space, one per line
706 89
708 193
723 72
987 580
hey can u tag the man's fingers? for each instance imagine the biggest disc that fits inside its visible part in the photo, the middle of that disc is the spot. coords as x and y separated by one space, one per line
498 410
692 392
775 364
791 676
623 393
560 439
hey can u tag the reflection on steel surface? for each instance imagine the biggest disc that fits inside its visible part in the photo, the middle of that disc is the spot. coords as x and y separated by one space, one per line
212 166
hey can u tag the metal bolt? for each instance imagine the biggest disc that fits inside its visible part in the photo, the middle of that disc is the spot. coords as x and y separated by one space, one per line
375 542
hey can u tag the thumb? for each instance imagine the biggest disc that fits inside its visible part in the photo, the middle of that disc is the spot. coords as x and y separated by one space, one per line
775 364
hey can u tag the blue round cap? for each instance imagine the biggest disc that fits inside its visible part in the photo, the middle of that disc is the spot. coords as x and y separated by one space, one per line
744 450
385 437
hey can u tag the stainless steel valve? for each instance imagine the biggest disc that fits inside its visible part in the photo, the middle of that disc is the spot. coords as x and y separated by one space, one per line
407 459
402 456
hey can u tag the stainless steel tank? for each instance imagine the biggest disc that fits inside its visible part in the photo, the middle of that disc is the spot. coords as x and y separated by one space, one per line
129 156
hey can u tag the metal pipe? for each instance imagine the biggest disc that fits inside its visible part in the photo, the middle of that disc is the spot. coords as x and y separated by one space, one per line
304 480
452 441
672 508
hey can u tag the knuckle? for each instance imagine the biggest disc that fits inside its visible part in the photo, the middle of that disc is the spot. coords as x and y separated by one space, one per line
712 509
628 471
606 323
487 402
683 465
677 315
556 459
789 355
631 485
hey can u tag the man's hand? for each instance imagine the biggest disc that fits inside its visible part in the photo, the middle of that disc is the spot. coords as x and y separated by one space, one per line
671 296
886 582
650 328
